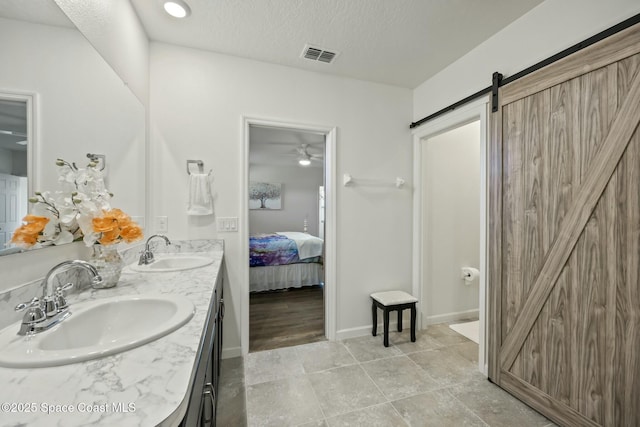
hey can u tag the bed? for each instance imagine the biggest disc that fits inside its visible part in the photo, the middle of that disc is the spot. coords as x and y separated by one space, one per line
284 260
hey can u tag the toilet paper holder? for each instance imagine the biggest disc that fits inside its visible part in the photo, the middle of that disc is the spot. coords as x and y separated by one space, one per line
469 274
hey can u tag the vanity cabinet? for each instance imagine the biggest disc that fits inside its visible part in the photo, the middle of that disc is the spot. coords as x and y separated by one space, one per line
202 408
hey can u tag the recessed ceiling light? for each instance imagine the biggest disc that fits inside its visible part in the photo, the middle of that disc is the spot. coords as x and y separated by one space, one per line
177 8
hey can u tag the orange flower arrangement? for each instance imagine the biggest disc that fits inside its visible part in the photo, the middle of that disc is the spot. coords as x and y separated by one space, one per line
80 211
27 234
115 226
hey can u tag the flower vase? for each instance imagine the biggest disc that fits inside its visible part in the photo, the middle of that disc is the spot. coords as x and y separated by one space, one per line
108 262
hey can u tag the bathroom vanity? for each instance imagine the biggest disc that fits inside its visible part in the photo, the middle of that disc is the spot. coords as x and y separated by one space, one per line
203 401
171 381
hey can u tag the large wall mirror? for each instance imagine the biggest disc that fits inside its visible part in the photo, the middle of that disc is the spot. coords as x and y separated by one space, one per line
14 163
60 99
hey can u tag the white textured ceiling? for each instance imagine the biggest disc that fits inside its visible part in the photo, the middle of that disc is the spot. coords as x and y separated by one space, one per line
397 42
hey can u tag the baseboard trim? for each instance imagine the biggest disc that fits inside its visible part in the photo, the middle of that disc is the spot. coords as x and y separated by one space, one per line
362 331
451 317
228 353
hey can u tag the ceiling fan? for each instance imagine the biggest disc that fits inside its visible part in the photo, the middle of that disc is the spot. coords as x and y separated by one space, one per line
304 158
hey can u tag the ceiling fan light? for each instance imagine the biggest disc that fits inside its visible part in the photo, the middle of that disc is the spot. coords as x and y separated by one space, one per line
304 161
177 8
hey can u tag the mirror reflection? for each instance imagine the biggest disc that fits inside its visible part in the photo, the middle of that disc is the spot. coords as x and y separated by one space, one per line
78 104
13 165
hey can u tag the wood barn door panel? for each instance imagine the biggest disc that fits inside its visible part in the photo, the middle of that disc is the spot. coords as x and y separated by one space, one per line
627 322
626 297
512 241
567 239
596 178
613 49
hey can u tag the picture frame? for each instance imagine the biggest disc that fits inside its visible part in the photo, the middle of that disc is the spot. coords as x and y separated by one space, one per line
265 196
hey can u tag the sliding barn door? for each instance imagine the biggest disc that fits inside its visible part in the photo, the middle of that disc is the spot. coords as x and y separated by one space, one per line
565 237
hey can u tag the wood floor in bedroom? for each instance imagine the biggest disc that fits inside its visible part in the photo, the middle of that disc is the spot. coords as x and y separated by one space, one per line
286 318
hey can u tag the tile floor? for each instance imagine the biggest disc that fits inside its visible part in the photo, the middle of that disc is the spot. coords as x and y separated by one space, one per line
359 382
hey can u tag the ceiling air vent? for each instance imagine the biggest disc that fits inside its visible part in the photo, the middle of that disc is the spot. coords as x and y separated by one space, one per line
316 53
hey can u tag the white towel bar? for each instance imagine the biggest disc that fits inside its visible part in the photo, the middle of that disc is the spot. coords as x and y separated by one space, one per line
347 179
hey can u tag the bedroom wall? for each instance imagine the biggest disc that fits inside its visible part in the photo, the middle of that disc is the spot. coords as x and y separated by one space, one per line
197 102
6 161
299 199
521 44
13 162
19 163
451 206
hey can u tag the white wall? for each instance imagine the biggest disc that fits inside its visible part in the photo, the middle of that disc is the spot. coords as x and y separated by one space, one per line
13 162
299 199
451 207
547 29
19 163
113 28
6 161
197 101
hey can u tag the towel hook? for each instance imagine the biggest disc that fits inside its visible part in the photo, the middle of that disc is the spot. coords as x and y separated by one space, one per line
200 164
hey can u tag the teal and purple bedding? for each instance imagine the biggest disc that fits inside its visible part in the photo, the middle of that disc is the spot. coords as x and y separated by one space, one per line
274 249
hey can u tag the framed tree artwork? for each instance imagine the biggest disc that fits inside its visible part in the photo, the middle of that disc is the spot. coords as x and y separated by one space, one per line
265 195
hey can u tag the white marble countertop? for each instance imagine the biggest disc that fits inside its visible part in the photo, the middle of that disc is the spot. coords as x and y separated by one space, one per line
144 386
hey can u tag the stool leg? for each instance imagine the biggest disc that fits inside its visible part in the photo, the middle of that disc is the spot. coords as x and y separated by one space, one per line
413 322
386 327
374 311
399 320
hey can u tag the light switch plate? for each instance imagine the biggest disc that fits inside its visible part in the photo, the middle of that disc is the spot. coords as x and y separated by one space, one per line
228 224
162 224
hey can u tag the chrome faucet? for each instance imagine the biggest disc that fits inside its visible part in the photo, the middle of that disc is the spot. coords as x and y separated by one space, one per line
146 257
67 265
53 308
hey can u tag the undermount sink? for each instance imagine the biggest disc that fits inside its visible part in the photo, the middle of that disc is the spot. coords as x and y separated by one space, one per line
173 262
96 329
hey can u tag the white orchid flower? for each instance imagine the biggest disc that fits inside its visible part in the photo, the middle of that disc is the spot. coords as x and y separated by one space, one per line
63 238
67 211
51 230
91 238
43 209
67 177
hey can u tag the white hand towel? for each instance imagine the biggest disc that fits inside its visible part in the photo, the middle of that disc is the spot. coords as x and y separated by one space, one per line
200 200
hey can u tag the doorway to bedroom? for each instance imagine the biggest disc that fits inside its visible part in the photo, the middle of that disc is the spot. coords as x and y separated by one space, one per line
286 223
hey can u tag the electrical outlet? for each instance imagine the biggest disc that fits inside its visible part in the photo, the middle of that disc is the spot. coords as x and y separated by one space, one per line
229 224
162 224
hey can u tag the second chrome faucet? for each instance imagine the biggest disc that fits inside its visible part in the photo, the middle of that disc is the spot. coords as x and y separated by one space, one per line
146 257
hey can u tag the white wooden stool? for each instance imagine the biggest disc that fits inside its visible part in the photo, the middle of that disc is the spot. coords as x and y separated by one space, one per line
393 301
